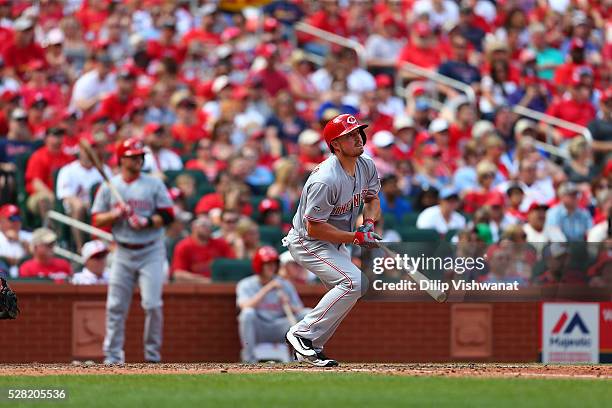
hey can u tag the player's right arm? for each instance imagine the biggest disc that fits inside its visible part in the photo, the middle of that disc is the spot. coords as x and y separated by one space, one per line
326 232
103 215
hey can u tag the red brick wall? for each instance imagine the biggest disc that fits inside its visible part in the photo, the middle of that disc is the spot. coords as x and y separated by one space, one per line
200 325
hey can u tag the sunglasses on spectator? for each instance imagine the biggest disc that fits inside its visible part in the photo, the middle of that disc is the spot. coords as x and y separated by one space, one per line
231 220
14 218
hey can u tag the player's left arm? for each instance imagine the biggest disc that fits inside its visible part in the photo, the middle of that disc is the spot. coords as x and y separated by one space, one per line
164 207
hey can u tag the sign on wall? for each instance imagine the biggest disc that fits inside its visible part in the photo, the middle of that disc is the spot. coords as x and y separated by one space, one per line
570 333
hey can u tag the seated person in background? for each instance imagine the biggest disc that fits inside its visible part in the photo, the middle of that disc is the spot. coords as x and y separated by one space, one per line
14 242
293 271
538 233
558 260
39 172
44 264
95 272
444 216
572 220
74 183
391 200
261 298
194 255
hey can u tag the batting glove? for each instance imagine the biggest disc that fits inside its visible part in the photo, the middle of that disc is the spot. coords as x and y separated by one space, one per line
138 221
366 239
367 226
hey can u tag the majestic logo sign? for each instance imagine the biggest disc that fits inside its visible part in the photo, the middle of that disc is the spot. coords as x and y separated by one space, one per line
570 333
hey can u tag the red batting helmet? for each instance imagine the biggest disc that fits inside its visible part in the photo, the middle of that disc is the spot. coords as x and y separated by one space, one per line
263 255
130 147
340 126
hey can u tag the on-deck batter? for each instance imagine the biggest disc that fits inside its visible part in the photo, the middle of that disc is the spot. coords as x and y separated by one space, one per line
138 230
324 224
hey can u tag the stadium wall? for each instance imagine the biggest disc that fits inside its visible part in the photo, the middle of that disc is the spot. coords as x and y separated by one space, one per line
60 323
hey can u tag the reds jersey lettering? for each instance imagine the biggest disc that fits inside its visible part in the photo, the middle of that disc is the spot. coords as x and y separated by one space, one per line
331 195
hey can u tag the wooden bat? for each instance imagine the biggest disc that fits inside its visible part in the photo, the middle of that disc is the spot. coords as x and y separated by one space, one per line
88 150
289 313
438 295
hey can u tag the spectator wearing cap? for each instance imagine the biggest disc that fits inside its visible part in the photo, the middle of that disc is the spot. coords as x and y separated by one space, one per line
439 130
460 130
40 171
39 112
580 168
538 232
188 129
18 141
515 195
44 264
205 32
301 85
369 113
38 86
285 124
93 85
431 171
465 178
60 70
310 154
458 67
95 271
486 174
498 220
159 158
420 49
440 12
535 189
404 130
389 104
573 221
547 58
576 108
270 213
532 94
444 216
391 199
75 181
384 159
335 100
14 242
24 49
273 79
384 44
193 255
116 105
601 126
564 74
166 46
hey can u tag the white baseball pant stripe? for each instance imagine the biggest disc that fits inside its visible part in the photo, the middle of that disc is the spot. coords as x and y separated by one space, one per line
332 264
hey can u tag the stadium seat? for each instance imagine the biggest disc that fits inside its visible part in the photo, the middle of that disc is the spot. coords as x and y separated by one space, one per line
413 234
270 234
410 219
203 186
230 270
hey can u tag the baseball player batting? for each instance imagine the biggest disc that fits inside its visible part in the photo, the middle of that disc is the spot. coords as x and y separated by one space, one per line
137 215
324 224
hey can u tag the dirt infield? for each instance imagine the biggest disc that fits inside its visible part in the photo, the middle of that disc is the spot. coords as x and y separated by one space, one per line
451 370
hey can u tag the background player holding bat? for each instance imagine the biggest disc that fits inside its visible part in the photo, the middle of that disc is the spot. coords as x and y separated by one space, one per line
136 206
324 224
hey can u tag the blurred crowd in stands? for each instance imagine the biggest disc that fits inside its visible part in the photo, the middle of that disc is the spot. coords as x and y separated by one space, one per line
230 103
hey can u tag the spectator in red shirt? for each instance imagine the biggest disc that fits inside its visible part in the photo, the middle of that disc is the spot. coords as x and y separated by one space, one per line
44 264
460 131
576 108
40 171
23 50
329 18
577 59
194 255
421 49
205 33
475 199
165 46
205 161
38 84
369 113
272 78
116 105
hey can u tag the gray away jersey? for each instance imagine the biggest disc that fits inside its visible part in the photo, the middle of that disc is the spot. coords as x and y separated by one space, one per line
145 195
331 195
270 307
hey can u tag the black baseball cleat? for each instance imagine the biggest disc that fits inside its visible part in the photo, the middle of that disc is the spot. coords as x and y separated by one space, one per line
319 360
301 345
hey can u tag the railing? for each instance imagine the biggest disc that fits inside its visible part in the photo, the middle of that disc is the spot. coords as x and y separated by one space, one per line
551 120
72 222
335 39
436 77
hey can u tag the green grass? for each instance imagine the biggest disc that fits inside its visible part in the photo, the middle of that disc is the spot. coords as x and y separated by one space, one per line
318 389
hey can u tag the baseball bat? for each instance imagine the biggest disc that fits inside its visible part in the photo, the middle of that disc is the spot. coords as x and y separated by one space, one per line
88 150
438 295
72 222
289 313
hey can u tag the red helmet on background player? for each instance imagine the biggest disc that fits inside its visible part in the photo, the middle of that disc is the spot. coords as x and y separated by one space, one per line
340 126
130 147
263 255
